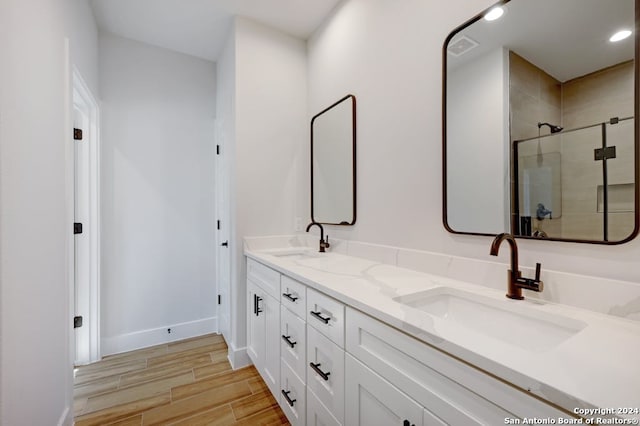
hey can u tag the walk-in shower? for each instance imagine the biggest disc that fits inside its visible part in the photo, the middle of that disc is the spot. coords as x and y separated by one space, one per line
576 183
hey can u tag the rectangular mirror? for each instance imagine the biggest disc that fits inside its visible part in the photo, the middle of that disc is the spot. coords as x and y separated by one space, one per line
333 164
539 130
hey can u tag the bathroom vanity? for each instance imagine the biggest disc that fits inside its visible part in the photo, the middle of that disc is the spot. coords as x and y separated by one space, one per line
342 340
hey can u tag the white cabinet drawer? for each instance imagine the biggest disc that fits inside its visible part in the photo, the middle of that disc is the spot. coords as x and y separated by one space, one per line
317 413
293 342
326 315
292 397
325 372
265 277
454 391
293 295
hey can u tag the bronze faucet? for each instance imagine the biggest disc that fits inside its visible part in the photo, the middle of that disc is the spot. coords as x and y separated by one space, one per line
324 244
515 282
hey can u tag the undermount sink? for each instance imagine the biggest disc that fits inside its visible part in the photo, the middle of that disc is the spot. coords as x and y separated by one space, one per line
293 252
508 321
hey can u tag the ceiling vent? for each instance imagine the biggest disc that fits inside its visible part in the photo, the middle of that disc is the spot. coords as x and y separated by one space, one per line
461 45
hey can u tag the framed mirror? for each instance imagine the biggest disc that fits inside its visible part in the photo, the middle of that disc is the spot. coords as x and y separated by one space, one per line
333 164
539 131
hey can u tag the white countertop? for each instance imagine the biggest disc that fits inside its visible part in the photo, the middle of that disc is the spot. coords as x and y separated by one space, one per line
598 367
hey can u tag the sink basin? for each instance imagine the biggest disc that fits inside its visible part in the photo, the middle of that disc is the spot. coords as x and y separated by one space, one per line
508 321
293 252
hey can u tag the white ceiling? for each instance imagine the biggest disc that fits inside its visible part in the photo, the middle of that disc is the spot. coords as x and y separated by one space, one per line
567 39
199 27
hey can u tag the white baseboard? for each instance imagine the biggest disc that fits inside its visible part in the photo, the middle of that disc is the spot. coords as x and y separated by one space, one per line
157 336
65 419
238 357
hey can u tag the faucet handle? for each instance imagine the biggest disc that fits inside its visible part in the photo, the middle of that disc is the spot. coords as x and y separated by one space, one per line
534 284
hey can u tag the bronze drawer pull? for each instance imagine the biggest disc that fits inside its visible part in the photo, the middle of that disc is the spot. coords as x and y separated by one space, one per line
316 368
320 317
289 342
290 297
286 396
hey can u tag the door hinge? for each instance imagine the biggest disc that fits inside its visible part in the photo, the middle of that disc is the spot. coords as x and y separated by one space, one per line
600 154
77 134
217 149
219 299
77 322
77 228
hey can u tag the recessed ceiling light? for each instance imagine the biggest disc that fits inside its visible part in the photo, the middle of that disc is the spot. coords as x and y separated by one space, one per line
620 35
494 13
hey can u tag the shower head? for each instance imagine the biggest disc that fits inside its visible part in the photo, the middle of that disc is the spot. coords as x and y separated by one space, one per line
552 127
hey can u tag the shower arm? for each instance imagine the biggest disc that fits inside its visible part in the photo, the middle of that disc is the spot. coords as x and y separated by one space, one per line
552 127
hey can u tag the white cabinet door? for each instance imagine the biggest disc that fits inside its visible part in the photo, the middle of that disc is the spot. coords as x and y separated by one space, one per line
263 334
271 370
255 324
372 401
317 413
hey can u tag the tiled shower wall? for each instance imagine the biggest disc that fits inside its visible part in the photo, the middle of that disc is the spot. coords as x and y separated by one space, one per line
536 96
586 100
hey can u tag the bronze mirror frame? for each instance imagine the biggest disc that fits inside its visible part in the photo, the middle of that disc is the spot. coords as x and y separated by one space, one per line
346 98
512 179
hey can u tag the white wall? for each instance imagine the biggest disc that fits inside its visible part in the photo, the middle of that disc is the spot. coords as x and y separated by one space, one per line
84 43
35 219
271 135
477 117
388 54
158 110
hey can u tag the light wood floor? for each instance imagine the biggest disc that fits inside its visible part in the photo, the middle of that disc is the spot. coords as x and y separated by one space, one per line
182 383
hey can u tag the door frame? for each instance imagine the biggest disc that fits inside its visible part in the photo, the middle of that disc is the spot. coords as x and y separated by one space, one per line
223 233
83 99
